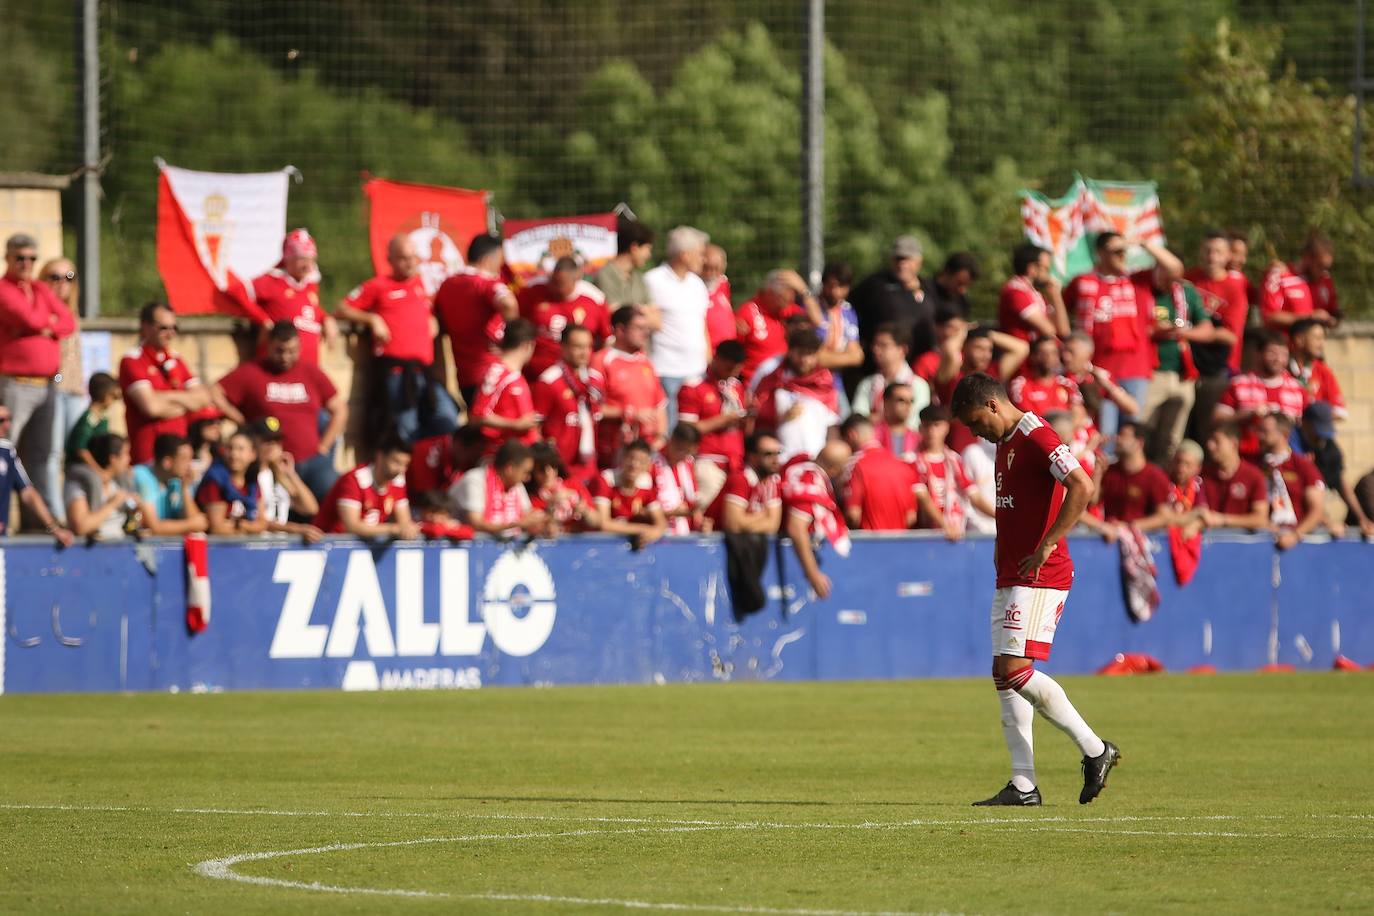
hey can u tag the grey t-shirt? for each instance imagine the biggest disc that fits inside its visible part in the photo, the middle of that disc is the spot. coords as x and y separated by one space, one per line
84 482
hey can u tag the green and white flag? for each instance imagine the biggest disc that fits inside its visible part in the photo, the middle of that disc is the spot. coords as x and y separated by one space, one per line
1067 226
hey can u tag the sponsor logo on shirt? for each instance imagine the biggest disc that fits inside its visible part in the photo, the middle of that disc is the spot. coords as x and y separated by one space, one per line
287 393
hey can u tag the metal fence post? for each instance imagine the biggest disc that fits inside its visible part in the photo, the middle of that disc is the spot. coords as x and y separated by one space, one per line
813 144
88 244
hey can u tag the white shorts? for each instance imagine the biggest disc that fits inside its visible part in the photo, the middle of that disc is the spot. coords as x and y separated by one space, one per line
1024 620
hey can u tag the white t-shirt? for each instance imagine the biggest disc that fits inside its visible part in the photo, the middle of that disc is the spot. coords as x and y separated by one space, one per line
679 346
980 463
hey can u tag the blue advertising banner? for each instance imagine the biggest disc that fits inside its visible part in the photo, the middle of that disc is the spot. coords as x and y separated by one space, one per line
343 614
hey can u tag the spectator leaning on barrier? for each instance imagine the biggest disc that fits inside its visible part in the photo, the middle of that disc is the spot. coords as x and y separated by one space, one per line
370 500
13 478
566 503
894 296
674 470
750 501
1235 492
720 315
717 405
1031 304
880 490
569 396
290 293
1134 491
503 406
557 303
284 496
627 498
166 487
1315 438
947 291
94 420
33 321
1186 501
397 310
492 499
436 461
810 511
680 346
229 493
101 503
283 385
435 521
635 406
472 308
940 474
1297 495
160 392
620 278
838 327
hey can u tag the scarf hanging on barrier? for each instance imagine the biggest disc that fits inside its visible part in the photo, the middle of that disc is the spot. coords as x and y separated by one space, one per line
1137 575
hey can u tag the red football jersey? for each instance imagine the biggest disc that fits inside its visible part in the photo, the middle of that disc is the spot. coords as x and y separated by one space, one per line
747 490
944 478
405 307
805 491
294 397
1237 494
1018 301
1249 392
632 506
376 500
677 488
285 299
630 383
466 306
706 399
883 487
571 404
562 500
506 394
1285 291
1127 497
764 336
1229 299
1119 314
1324 293
586 306
164 370
1042 395
1321 384
1032 464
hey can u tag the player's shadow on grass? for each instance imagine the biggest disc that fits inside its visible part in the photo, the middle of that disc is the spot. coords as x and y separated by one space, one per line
647 801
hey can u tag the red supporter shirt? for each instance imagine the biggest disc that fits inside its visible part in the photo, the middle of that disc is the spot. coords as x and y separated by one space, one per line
586 306
571 404
883 487
632 506
1119 314
805 491
26 311
377 501
944 478
1320 384
1043 395
1249 392
677 487
506 394
1127 497
294 397
1229 299
1324 293
432 465
632 384
1237 494
927 366
285 299
164 371
1018 301
1288 505
747 490
1285 291
706 399
720 314
764 336
466 306
1032 464
561 502
404 306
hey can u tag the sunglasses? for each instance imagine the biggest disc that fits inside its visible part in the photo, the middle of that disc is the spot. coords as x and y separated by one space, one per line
69 276
25 258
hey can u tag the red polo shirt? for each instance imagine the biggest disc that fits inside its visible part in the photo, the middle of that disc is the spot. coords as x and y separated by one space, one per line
763 335
163 371
26 311
404 306
706 399
466 306
586 306
1127 497
883 487
1237 494
285 299
506 394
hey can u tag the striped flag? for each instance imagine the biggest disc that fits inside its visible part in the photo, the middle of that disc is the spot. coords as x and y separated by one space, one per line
1067 226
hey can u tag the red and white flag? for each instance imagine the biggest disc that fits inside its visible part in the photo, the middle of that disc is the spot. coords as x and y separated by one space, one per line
197 582
533 246
216 231
440 221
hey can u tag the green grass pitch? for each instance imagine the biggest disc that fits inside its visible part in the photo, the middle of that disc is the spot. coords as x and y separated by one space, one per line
1236 793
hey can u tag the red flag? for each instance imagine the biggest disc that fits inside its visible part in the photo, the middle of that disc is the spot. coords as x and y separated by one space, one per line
440 221
197 583
215 233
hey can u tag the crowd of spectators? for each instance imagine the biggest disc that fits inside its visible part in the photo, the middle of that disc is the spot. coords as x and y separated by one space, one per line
642 402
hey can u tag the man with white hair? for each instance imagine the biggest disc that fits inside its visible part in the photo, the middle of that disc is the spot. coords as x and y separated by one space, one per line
680 347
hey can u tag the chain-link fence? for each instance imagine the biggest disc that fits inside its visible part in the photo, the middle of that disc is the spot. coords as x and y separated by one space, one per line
938 111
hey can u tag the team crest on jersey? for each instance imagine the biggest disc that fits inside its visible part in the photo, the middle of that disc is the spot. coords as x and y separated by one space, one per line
1011 453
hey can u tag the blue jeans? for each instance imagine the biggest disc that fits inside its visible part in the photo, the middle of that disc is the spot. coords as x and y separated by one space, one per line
66 411
318 474
1109 417
671 386
411 423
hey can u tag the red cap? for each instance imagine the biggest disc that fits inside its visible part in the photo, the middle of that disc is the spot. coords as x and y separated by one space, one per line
299 244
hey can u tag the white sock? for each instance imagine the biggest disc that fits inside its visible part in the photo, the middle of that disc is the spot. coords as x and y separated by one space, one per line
1018 715
1049 698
